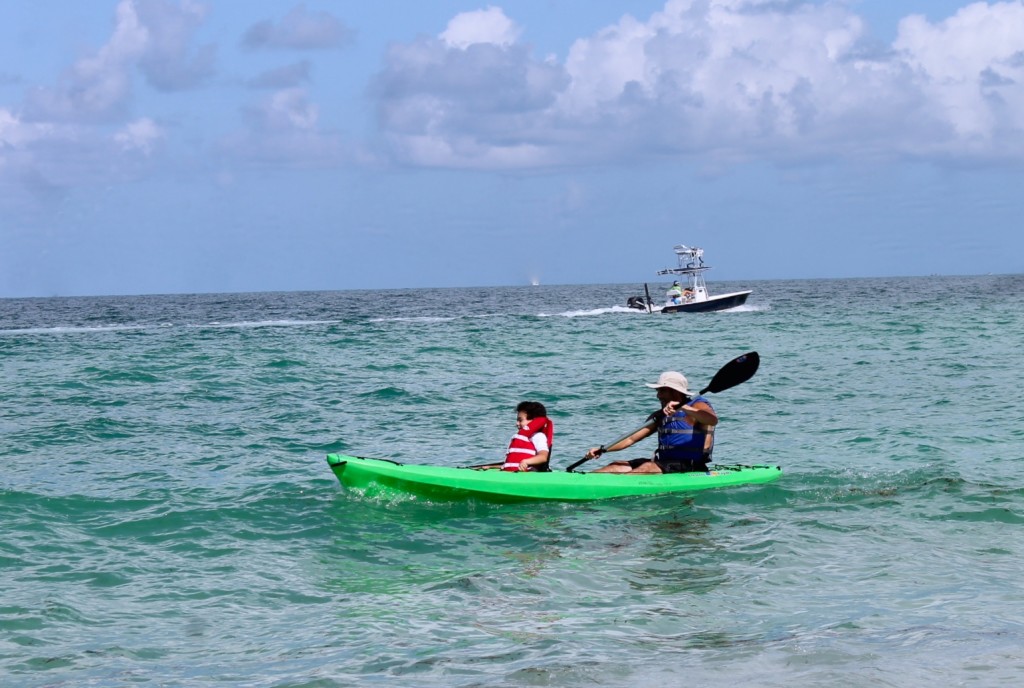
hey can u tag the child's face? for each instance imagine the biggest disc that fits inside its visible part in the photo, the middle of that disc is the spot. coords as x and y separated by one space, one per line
521 420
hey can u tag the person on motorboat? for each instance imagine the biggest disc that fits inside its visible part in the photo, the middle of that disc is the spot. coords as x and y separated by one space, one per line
685 428
675 294
530 447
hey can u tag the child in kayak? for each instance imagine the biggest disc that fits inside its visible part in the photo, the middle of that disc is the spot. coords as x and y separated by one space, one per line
530 448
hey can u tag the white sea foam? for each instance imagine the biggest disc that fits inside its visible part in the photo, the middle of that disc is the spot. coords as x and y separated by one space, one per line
246 324
593 311
73 329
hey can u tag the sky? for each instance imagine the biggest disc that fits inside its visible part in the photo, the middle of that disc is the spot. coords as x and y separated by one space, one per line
189 146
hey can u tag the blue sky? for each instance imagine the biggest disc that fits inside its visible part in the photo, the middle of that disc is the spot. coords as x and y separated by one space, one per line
158 146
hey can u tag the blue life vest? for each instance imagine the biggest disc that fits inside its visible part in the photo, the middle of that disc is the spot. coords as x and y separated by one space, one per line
678 440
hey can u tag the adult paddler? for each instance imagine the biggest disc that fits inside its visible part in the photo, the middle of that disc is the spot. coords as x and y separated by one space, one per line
685 427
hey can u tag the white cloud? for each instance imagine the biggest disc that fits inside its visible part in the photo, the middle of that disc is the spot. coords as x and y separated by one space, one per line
29 150
151 35
287 76
482 26
141 135
288 110
971 66
284 130
168 62
719 79
98 86
482 106
15 134
81 131
300 29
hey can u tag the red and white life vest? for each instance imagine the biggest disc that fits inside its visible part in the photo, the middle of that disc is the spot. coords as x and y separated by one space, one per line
521 447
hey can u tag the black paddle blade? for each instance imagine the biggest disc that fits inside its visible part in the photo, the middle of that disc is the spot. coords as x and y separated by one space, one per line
736 371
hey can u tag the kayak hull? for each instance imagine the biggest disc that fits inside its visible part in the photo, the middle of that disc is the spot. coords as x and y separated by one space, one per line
440 483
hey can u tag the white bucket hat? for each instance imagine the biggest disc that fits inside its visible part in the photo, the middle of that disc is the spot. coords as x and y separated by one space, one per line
672 380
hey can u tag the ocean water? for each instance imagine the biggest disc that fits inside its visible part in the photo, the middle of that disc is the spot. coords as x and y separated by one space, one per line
168 517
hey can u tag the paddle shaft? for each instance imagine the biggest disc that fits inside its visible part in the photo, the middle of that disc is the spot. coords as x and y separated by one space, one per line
735 372
604 447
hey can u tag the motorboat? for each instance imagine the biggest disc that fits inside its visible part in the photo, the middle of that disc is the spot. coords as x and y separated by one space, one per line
693 296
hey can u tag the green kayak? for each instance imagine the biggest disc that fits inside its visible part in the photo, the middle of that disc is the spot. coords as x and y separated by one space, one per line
374 476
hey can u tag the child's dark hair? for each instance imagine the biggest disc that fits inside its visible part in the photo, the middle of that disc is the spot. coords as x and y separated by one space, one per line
532 409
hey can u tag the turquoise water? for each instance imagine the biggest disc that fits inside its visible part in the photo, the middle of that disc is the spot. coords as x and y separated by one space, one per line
169 519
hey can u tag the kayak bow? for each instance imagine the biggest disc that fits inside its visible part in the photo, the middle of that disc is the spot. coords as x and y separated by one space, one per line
442 483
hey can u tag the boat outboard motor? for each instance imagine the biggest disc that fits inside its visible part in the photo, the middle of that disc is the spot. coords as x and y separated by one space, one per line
637 302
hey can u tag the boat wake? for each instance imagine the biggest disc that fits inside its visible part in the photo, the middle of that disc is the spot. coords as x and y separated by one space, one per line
114 327
585 313
74 329
626 310
249 324
417 319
